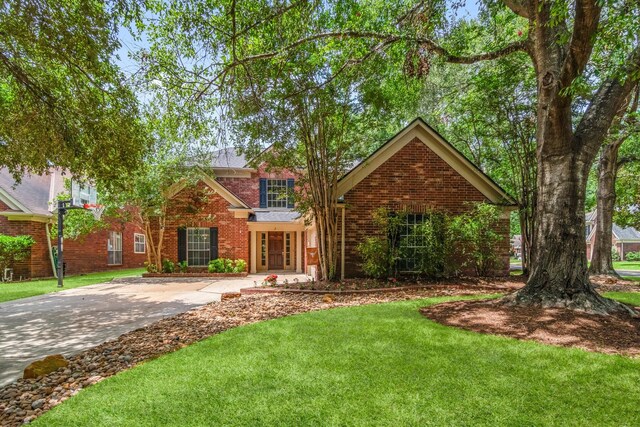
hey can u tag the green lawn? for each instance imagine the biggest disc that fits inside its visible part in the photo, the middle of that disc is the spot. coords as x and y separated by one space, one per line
382 365
627 265
15 290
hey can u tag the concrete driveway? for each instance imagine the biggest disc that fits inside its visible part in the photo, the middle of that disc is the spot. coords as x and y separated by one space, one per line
70 321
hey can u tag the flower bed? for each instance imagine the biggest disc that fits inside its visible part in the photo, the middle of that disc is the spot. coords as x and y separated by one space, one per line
195 274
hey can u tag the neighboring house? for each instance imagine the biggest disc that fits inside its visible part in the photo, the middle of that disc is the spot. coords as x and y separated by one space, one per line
624 240
27 209
246 216
516 246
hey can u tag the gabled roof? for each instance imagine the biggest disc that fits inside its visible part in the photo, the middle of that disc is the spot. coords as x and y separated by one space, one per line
432 139
619 233
627 233
34 193
220 189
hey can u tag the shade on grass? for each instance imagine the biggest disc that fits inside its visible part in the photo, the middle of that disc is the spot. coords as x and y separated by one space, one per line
16 290
383 365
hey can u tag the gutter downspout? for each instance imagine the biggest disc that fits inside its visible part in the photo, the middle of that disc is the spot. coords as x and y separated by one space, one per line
53 263
342 246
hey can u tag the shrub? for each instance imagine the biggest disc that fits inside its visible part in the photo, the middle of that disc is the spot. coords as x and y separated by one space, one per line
168 266
632 256
433 255
216 265
183 266
14 249
240 266
615 256
476 238
151 267
374 252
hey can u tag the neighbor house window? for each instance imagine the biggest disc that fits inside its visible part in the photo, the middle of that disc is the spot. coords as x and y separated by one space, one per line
198 247
276 193
139 243
114 248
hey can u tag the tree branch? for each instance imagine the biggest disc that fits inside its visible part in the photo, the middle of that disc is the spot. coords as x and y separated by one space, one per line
519 7
587 17
607 102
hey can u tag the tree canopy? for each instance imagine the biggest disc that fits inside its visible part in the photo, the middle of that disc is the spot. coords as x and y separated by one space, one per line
63 100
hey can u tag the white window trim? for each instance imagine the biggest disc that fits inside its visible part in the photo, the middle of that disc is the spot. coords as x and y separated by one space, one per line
144 243
207 250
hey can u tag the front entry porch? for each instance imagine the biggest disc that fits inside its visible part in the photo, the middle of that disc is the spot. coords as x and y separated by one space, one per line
276 247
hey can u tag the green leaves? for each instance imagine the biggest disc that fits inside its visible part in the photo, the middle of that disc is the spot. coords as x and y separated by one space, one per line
13 249
63 101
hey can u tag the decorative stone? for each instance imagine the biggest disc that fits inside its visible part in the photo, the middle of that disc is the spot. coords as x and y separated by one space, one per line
45 366
37 404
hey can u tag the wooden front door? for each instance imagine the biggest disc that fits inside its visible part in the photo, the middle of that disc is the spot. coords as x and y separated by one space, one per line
276 251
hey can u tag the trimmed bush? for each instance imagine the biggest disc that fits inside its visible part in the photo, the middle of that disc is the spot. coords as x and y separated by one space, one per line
632 256
615 256
226 265
168 266
14 249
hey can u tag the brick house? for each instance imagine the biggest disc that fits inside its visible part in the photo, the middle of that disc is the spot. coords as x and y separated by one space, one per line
27 209
623 239
246 216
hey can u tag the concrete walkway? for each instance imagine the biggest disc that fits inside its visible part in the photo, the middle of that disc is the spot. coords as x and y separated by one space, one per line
70 321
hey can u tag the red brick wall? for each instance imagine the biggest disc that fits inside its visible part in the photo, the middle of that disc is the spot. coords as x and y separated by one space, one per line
248 189
85 255
415 178
89 253
233 233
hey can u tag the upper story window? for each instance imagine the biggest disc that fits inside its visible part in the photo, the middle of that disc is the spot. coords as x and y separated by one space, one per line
276 193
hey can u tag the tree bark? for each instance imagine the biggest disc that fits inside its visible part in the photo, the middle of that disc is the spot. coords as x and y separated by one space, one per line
601 260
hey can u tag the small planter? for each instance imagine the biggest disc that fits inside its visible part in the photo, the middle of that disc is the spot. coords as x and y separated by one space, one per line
195 274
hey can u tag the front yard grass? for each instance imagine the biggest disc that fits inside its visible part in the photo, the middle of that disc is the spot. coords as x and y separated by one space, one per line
627 265
382 364
16 290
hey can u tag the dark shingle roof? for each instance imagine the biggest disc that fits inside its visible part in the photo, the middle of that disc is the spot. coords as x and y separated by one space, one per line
228 158
34 191
628 233
274 216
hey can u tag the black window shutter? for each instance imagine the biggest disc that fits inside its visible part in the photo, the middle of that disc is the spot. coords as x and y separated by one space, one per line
290 183
263 192
182 244
213 243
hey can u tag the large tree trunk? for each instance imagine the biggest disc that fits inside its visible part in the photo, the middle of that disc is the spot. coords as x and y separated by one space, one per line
559 277
601 261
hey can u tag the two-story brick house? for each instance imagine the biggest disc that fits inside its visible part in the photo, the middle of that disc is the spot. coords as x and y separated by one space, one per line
247 214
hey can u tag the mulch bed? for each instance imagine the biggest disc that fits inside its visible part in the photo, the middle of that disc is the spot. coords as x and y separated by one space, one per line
24 400
614 334
612 284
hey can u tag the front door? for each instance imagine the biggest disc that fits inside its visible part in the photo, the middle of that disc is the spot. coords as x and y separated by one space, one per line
276 251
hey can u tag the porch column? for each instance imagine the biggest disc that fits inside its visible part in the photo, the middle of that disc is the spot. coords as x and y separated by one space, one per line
298 251
253 252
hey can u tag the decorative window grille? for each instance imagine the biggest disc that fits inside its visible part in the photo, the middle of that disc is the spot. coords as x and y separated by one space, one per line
287 249
139 243
198 247
276 193
263 249
114 248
